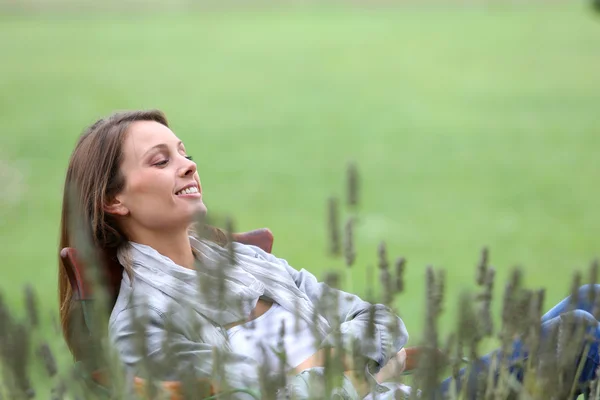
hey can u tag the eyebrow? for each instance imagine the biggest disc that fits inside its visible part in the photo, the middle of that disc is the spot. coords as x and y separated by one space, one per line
160 146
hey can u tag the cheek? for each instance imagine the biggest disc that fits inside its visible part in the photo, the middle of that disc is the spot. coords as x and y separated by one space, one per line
150 187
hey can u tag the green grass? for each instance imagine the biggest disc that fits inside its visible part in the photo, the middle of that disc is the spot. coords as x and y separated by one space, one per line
471 126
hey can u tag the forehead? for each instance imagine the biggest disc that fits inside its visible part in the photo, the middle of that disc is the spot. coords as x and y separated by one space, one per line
144 135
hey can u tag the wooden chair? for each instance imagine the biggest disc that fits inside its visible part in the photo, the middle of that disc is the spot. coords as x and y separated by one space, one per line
83 294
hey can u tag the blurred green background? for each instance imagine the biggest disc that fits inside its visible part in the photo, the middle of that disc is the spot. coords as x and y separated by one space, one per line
473 124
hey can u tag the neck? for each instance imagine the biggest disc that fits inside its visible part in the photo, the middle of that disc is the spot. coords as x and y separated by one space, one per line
176 246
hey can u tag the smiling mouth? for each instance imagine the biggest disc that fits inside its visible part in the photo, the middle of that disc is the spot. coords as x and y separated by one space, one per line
190 190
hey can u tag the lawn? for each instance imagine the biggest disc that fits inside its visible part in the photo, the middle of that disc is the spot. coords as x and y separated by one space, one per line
472 126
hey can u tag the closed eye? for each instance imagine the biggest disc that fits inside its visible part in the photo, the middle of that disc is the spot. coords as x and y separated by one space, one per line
165 162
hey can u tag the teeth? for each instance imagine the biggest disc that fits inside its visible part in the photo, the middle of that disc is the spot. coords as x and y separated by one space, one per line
187 191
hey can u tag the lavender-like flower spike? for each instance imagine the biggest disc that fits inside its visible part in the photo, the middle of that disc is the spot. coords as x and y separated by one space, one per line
467 320
510 301
31 306
5 323
534 326
370 334
282 355
20 361
59 391
45 353
263 374
482 266
139 320
382 256
332 279
333 227
427 373
486 312
575 285
431 290
399 281
353 185
349 252
168 340
440 288
385 279
229 227
297 317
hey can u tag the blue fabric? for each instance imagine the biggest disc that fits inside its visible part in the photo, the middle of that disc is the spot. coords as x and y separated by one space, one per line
581 312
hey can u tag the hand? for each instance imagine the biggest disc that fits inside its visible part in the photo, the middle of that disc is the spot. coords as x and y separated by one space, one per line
389 372
393 369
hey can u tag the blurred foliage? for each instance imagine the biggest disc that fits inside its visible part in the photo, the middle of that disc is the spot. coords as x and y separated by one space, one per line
27 359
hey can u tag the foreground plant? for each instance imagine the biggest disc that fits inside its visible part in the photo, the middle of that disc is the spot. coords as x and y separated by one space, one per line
30 368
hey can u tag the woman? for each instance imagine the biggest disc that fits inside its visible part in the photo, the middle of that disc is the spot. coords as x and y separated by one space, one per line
140 193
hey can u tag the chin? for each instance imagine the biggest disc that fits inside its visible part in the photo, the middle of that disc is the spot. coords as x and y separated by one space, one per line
199 212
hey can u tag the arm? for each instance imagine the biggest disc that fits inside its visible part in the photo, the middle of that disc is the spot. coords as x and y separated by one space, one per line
390 332
172 362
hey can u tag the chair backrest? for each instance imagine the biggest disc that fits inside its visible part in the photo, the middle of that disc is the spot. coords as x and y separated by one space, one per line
261 238
81 284
79 276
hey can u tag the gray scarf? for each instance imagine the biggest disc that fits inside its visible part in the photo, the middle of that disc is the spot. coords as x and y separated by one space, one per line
221 289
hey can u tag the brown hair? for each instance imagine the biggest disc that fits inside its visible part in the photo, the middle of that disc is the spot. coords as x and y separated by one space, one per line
94 178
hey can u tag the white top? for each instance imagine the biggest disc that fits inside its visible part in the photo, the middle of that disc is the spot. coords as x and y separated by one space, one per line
298 341
299 345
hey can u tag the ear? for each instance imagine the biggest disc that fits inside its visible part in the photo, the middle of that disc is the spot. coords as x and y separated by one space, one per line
116 207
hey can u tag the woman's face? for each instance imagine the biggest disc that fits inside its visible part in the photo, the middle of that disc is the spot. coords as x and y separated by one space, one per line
162 187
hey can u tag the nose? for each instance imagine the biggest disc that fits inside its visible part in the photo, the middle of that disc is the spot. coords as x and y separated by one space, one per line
188 168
